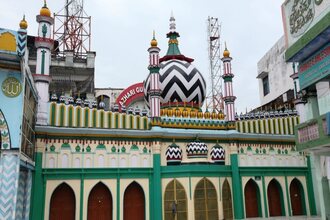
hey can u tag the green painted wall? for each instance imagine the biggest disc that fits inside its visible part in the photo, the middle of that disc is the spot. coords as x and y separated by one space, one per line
38 191
237 188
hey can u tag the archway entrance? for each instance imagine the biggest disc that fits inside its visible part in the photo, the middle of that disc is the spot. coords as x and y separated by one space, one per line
175 201
275 199
297 198
62 203
134 202
252 200
99 203
206 202
227 201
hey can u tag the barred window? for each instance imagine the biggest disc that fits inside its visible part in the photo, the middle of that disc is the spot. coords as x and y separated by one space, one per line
206 203
175 201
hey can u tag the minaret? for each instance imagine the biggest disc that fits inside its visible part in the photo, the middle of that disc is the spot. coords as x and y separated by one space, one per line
154 91
44 44
228 76
22 37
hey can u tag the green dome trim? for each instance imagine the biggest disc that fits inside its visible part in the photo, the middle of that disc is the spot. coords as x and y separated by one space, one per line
134 147
100 147
65 145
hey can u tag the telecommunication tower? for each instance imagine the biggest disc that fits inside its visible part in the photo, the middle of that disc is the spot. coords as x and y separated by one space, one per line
72 29
214 96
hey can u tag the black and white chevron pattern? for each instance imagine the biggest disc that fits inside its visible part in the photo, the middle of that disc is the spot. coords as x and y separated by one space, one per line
218 153
196 149
173 153
180 81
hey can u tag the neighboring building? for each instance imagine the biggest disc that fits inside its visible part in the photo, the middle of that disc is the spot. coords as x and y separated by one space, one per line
307 31
18 106
108 96
276 88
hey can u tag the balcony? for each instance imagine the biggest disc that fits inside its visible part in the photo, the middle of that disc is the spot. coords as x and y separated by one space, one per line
314 134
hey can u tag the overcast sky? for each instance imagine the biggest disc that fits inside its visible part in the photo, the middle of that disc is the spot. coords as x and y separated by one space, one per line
122 30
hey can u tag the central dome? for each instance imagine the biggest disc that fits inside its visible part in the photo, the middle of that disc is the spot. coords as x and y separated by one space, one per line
180 82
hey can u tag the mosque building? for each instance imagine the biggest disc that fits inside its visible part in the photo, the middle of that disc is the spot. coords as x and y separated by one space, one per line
164 159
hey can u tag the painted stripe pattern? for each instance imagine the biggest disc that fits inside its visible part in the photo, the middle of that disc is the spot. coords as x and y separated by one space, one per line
21 43
9 164
179 81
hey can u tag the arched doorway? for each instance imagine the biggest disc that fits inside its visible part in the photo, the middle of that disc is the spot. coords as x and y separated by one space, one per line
134 202
175 201
252 200
99 203
275 199
205 201
297 198
227 201
62 203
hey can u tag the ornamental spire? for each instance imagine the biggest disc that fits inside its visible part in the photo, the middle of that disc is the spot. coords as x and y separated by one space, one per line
173 51
172 23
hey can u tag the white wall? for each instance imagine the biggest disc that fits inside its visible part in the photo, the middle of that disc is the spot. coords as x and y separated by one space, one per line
278 70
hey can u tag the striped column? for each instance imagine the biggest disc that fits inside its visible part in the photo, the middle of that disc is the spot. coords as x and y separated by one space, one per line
154 91
229 97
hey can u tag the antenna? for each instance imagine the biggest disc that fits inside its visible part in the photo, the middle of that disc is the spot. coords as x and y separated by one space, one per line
72 29
214 96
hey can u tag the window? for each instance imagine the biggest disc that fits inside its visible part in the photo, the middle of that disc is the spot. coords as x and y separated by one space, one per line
206 203
175 201
265 85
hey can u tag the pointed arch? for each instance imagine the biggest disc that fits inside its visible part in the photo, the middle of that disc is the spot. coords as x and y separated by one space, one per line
62 115
5 142
99 203
227 200
297 198
62 203
275 199
175 201
252 199
70 116
205 201
53 108
134 202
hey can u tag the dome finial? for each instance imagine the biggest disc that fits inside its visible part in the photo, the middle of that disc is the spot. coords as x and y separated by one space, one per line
44 11
153 42
226 52
23 24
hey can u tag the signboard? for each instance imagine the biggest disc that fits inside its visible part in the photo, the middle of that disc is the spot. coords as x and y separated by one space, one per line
315 68
131 94
300 15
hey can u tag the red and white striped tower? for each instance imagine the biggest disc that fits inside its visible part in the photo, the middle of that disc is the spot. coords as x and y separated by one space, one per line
228 76
44 45
154 91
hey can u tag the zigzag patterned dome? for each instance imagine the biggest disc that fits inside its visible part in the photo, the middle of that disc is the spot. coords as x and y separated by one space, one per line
180 82
218 154
196 149
173 154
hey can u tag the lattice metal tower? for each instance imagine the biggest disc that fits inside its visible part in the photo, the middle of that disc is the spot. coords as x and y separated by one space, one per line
214 96
72 29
